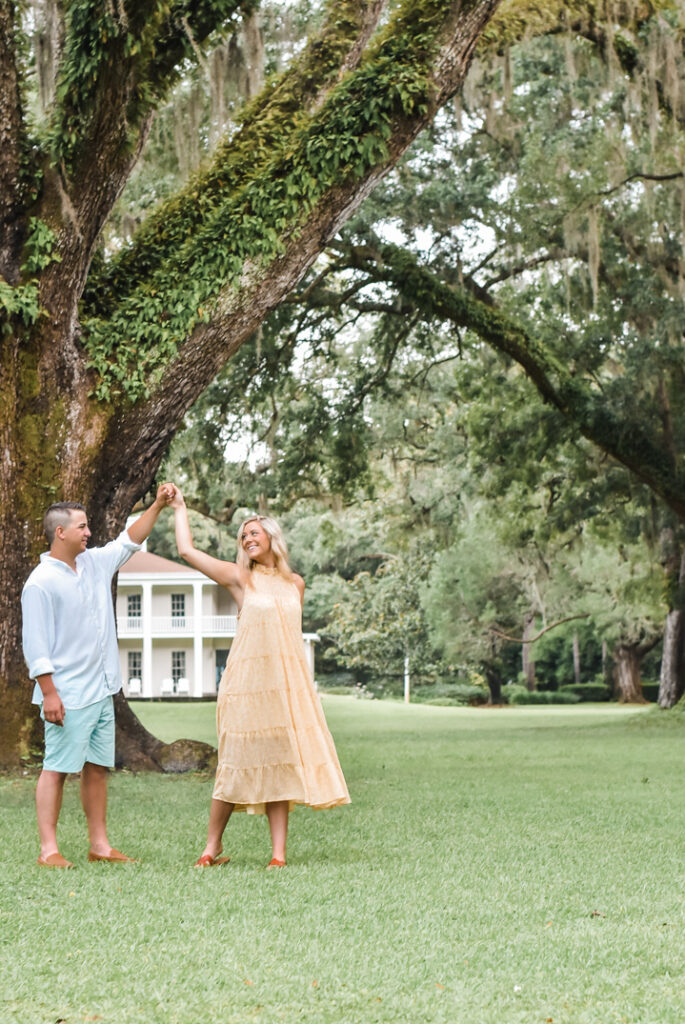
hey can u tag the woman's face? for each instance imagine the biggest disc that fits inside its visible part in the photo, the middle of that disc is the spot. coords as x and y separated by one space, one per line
256 541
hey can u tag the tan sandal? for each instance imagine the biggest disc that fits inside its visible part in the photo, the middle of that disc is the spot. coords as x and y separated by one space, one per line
54 860
113 857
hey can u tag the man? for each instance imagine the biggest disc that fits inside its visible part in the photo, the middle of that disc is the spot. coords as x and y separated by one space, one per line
70 647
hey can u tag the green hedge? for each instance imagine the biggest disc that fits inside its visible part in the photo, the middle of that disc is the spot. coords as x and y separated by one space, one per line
514 694
450 694
588 691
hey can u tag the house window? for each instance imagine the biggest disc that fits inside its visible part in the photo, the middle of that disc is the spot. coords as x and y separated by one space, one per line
178 611
178 665
134 610
135 664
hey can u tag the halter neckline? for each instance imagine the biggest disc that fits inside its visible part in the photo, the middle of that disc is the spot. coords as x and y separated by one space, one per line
270 570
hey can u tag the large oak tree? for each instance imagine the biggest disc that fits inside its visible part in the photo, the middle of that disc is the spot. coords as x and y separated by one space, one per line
101 359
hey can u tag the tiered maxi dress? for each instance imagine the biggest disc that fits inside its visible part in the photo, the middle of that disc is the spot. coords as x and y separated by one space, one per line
274 743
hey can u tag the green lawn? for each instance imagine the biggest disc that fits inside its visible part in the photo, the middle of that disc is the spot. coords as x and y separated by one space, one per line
495 867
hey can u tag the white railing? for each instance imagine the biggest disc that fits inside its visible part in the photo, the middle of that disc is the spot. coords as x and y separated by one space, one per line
129 626
172 624
169 625
219 625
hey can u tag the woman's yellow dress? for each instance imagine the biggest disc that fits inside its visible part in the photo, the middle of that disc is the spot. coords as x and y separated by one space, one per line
274 743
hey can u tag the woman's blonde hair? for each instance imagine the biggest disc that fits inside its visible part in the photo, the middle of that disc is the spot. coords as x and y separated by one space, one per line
279 548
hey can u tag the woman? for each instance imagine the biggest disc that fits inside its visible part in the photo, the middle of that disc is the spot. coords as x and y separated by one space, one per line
275 749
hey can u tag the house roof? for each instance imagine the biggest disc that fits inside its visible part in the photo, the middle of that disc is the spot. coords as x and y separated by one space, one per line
145 561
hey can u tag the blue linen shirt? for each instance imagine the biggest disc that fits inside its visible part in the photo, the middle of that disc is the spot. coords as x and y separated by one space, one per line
68 623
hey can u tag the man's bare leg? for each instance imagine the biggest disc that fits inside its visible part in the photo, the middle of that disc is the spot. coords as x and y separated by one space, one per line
49 790
94 801
277 813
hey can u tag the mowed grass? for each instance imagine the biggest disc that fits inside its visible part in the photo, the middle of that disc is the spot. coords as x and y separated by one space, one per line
518 866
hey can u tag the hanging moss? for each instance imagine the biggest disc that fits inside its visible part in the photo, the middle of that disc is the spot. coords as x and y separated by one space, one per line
623 438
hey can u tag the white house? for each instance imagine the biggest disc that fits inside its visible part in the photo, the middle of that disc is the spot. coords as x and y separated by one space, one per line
175 629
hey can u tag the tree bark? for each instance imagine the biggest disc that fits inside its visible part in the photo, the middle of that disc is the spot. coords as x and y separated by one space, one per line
493 677
672 673
576 658
627 682
527 660
138 750
11 146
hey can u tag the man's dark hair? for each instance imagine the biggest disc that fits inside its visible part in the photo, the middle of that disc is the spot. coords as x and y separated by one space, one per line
59 514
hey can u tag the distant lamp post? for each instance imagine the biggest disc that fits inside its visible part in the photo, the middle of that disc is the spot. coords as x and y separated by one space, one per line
407 684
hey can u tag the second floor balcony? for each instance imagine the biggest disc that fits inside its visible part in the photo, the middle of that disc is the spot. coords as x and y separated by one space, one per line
176 625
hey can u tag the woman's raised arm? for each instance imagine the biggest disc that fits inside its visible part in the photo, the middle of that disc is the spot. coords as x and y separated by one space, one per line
228 574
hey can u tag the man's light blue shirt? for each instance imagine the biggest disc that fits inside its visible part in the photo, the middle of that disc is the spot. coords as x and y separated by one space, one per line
68 627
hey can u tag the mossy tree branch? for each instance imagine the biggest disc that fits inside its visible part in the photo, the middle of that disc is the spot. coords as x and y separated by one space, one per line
162 349
578 400
267 128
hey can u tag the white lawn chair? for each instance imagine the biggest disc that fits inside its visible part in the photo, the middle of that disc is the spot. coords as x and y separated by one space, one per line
167 689
182 687
135 687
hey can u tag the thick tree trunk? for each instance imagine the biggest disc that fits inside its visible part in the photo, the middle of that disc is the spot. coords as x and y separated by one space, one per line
628 685
494 680
139 750
672 675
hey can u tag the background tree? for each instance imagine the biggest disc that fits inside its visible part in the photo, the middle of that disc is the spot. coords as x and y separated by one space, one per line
379 626
579 278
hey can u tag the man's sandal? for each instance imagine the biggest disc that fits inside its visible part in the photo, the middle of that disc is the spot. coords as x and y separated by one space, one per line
275 863
54 860
113 857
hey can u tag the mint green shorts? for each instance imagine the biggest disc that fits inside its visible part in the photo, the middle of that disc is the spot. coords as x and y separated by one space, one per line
87 735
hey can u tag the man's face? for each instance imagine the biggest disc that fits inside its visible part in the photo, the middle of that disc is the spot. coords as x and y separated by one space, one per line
75 535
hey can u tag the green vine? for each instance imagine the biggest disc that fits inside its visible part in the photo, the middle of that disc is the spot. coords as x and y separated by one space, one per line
141 46
39 247
19 303
266 129
344 141
22 302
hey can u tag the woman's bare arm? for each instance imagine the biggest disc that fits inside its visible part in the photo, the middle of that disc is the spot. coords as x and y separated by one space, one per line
227 574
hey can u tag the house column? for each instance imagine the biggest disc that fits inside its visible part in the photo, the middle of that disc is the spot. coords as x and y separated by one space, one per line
198 680
146 614
309 641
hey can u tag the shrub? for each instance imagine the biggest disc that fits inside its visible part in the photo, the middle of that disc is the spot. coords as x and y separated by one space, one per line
597 690
520 695
454 694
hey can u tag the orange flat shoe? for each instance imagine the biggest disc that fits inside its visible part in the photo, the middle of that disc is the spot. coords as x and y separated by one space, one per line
54 860
205 861
275 863
113 857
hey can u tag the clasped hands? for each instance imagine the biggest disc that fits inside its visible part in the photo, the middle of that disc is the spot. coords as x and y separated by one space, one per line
169 494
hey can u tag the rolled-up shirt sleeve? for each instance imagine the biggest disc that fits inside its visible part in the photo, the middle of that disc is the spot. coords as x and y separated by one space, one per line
38 631
116 553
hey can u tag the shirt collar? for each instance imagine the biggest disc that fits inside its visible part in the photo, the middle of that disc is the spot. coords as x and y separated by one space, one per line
47 558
